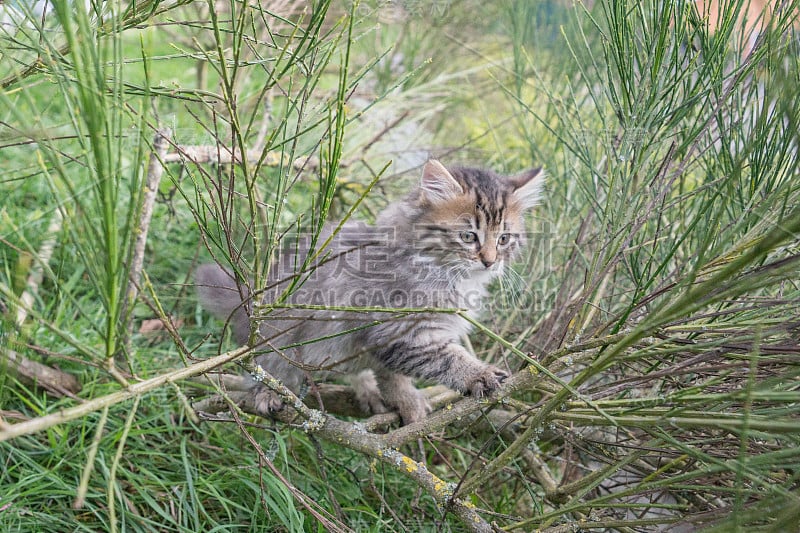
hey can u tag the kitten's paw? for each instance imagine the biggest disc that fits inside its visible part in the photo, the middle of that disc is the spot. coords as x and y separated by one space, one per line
371 403
266 401
486 381
368 395
413 408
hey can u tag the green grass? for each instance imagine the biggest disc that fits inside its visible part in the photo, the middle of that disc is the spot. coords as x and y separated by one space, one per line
660 287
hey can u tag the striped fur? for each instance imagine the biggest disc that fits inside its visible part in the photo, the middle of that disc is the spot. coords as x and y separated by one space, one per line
436 249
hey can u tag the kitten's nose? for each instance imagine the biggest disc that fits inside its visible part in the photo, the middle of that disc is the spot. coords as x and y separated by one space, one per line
487 257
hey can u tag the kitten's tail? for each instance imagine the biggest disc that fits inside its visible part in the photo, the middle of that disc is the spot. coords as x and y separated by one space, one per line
218 294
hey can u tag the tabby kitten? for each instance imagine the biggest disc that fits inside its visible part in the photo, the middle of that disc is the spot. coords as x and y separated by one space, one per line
436 249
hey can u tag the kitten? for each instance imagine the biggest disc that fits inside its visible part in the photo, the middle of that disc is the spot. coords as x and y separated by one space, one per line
436 249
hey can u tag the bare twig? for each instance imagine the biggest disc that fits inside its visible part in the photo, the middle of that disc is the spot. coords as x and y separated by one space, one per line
88 468
136 389
37 271
155 170
222 155
53 381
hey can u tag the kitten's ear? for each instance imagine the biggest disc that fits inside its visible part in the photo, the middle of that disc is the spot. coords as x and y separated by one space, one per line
528 187
438 184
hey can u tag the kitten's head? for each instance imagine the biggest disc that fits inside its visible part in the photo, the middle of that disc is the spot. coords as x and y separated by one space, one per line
472 219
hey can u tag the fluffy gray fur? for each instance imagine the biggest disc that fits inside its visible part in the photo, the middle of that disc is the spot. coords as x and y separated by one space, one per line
438 248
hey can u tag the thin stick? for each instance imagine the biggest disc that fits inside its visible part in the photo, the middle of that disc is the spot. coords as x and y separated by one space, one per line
83 487
112 478
53 381
136 389
155 170
222 155
36 275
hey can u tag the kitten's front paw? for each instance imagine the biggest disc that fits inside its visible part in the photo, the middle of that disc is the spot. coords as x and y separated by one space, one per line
368 395
373 404
266 401
486 381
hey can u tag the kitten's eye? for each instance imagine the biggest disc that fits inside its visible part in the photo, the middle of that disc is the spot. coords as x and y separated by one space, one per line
504 239
468 236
